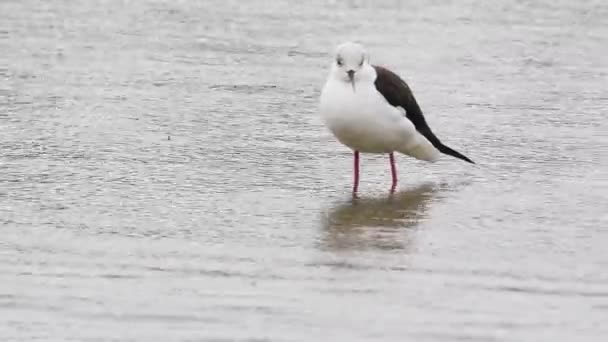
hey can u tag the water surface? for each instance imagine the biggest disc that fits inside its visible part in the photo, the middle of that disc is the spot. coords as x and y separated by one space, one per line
164 175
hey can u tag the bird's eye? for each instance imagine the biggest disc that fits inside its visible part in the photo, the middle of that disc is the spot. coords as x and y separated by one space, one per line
340 62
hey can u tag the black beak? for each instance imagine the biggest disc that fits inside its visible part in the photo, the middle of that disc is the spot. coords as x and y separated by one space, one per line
351 77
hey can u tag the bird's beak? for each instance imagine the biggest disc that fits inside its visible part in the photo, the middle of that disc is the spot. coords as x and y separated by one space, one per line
351 77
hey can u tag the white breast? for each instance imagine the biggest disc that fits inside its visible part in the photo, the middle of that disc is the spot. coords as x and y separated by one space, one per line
363 120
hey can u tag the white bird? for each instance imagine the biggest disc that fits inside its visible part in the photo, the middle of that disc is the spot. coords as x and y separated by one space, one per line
370 109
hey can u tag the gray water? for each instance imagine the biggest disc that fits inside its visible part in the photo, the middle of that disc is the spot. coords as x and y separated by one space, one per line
165 176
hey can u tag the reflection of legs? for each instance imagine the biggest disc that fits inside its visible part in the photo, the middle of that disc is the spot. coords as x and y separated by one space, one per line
356 172
393 171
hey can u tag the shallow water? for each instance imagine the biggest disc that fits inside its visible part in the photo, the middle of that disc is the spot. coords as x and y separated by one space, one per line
165 176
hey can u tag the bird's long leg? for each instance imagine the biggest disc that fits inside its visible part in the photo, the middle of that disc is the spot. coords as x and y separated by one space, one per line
356 172
393 171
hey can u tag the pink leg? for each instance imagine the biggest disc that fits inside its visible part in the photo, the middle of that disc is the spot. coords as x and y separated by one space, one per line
356 171
393 171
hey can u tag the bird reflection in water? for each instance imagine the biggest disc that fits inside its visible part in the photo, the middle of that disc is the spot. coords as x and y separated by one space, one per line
376 223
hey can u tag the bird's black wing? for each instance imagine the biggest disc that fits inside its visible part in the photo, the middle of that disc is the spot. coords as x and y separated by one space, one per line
398 94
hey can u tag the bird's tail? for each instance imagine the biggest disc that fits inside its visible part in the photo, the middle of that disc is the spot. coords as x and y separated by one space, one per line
451 152
425 150
422 150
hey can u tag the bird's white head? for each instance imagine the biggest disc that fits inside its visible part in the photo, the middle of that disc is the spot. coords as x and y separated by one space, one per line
350 63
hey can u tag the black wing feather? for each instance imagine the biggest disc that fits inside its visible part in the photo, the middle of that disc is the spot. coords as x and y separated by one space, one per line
398 94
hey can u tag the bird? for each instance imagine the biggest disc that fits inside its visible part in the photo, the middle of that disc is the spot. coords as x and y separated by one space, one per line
371 109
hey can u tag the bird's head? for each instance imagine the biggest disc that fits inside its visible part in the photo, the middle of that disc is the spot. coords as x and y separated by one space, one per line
350 59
